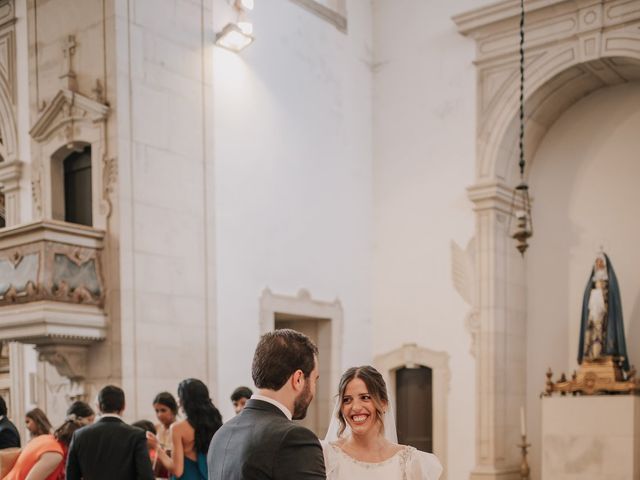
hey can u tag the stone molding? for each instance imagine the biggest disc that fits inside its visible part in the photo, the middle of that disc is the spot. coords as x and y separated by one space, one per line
46 322
491 195
572 48
62 263
587 43
10 175
8 127
69 360
304 306
70 122
67 108
337 18
410 356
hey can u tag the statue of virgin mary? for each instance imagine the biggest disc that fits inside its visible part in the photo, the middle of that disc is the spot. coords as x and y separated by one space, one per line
601 326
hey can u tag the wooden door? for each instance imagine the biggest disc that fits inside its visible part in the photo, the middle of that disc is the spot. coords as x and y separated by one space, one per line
414 397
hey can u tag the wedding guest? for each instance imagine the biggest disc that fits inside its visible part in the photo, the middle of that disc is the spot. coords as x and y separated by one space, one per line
145 425
148 426
191 437
239 398
166 409
37 422
44 457
79 414
41 458
9 436
109 448
82 412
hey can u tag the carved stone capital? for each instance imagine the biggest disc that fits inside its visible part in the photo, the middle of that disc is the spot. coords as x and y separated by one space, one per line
69 360
10 174
491 195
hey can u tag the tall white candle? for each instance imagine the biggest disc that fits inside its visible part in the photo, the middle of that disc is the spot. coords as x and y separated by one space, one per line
523 430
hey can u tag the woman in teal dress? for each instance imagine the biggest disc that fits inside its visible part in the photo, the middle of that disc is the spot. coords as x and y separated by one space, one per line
191 436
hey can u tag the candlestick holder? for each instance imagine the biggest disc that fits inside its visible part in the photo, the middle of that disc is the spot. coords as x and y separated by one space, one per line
524 465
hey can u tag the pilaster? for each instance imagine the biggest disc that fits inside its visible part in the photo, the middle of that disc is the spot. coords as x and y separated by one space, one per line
500 370
10 173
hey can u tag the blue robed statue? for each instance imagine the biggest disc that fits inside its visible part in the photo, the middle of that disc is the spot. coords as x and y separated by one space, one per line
602 327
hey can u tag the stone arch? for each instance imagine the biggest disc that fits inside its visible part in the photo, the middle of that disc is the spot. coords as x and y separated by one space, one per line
552 90
411 355
572 49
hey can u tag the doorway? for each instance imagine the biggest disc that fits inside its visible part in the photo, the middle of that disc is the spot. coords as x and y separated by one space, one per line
414 396
319 331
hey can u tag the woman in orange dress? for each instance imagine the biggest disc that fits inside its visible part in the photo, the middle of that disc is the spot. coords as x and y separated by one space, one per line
41 459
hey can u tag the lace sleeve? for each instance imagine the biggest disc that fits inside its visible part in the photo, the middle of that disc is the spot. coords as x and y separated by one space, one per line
330 458
423 466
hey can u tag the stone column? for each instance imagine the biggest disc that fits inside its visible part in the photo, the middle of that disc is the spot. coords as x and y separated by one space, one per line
10 173
501 347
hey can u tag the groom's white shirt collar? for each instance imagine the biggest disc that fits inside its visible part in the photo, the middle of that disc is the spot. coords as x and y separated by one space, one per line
284 409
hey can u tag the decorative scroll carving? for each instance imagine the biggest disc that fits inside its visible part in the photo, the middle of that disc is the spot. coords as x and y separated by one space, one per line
68 75
71 275
109 179
17 272
463 273
69 360
603 375
48 270
36 196
66 109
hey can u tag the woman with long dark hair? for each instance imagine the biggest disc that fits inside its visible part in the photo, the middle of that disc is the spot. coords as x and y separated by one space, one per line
191 437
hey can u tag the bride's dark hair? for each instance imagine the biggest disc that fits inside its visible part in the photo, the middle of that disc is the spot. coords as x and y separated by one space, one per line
201 413
376 387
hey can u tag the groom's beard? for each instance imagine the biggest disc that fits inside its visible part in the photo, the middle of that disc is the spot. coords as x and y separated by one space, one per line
301 403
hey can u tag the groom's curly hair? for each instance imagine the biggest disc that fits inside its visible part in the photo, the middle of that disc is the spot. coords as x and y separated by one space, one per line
279 354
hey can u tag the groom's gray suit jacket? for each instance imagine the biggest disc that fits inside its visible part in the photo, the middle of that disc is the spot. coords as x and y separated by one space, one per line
262 443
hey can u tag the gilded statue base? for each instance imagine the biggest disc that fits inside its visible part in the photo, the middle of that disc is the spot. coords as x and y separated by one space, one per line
598 376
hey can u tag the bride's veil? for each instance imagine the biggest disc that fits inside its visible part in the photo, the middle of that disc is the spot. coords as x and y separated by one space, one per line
334 426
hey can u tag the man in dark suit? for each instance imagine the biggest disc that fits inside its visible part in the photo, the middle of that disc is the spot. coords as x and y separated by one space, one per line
262 442
109 448
9 436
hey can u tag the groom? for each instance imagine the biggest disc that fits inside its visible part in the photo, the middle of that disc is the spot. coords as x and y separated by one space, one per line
262 442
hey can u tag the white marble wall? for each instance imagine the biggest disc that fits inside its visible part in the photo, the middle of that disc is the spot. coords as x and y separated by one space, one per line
293 198
163 108
424 131
591 438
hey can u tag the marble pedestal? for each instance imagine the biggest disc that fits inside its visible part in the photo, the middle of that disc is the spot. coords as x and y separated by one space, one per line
591 438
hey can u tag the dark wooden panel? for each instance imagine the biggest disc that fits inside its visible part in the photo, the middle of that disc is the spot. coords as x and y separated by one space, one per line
414 394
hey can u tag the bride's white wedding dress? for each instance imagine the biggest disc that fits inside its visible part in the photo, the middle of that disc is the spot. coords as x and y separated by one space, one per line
407 464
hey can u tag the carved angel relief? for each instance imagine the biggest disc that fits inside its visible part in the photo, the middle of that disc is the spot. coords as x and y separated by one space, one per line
463 272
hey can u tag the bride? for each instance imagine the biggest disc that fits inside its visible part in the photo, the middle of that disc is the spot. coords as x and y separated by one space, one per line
361 442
